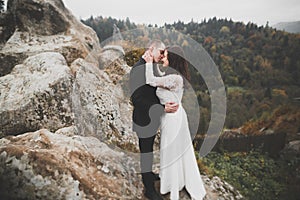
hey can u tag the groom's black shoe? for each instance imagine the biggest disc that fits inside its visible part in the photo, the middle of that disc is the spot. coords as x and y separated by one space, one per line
155 176
153 195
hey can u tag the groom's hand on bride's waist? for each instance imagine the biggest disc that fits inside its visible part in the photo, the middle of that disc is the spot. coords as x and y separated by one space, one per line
171 107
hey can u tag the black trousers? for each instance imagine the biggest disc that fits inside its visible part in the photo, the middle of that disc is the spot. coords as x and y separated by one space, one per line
147 134
146 161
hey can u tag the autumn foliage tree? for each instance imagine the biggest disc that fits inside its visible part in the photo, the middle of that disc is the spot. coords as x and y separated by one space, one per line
260 66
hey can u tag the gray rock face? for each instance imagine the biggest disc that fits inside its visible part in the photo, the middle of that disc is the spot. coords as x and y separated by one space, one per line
30 15
219 189
44 92
36 94
8 62
45 165
100 107
293 147
51 79
37 26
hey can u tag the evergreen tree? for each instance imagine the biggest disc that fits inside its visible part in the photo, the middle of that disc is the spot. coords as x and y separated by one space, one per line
1 6
252 61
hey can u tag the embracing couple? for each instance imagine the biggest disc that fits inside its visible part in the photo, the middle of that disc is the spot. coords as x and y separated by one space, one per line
156 97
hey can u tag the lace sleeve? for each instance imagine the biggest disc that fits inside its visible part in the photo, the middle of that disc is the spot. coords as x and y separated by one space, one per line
172 81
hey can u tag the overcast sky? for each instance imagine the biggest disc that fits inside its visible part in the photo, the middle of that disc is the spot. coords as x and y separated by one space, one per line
161 11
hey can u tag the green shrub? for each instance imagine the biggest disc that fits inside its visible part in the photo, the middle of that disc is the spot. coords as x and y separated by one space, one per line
256 175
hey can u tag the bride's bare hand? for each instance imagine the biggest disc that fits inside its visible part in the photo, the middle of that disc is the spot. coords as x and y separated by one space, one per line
171 107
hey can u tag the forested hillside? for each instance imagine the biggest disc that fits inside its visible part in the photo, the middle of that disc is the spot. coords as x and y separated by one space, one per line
260 67
292 27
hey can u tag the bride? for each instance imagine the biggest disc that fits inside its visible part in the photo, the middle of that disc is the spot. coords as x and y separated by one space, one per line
178 165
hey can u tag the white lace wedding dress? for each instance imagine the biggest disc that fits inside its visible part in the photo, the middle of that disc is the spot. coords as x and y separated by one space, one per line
178 165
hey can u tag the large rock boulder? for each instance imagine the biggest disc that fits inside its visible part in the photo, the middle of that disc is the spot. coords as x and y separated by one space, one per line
36 94
100 107
111 60
41 26
50 77
29 15
45 165
44 92
293 147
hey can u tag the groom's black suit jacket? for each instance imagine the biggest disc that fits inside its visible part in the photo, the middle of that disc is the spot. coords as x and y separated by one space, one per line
143 97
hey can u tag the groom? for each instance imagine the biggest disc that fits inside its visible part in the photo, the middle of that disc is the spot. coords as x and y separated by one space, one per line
146 115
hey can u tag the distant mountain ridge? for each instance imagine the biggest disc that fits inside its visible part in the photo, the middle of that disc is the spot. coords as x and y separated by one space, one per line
292 27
